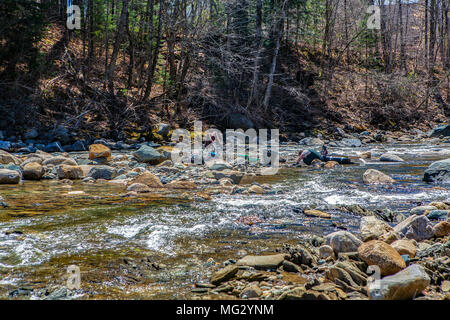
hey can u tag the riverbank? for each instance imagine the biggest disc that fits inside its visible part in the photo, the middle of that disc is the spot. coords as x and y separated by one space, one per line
157 230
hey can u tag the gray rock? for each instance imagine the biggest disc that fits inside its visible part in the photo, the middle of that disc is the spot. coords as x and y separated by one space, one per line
342 241
415 227
348 142
9 176
262 262
387 157
78 146
102 172
148 155
438 171
163 129
403 285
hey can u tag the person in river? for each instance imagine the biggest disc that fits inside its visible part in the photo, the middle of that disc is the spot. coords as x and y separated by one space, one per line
309 155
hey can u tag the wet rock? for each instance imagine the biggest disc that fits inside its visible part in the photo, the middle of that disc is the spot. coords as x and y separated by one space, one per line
262 262
404 285
343 241
440 205
218 166
381 254
99 151
373 176
405 247
317 213
415 227
181 184
55 161
234 176
148 154
33 171
139 188
388 157
372 228
331 164
69 172
7 158
442 229
5 145
102 172
438 172
224 274
78 146
422 210
9 176
149 179
255 189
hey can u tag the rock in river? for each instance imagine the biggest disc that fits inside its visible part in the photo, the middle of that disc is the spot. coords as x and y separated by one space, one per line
69 172
404 285
7 158
415 227
102 172
262 262
381 254
343 241
389 157
148 154
33 171
99 151
438 171
317 213
149 179
373 176
9 176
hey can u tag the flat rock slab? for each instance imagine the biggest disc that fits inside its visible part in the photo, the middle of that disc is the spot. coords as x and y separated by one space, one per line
224 274
262 262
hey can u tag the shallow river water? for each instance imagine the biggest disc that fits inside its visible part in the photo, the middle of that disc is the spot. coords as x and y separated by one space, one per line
158 247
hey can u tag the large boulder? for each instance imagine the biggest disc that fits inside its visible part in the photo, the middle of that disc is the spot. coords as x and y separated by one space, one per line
403 285
7 158
9 176
5 145
373 176
148 154
349 142
415 227
372 228
69 172
33 171
262 262
310 141
342 241
438 171
389 157
102 172
443 130
99 151
149 179
381 254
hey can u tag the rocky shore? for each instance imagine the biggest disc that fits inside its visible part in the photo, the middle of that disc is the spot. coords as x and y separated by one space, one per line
392 257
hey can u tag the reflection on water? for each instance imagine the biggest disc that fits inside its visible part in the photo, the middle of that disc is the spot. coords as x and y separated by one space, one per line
49 226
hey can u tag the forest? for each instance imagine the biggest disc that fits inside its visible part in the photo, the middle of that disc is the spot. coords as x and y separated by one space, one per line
300 65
